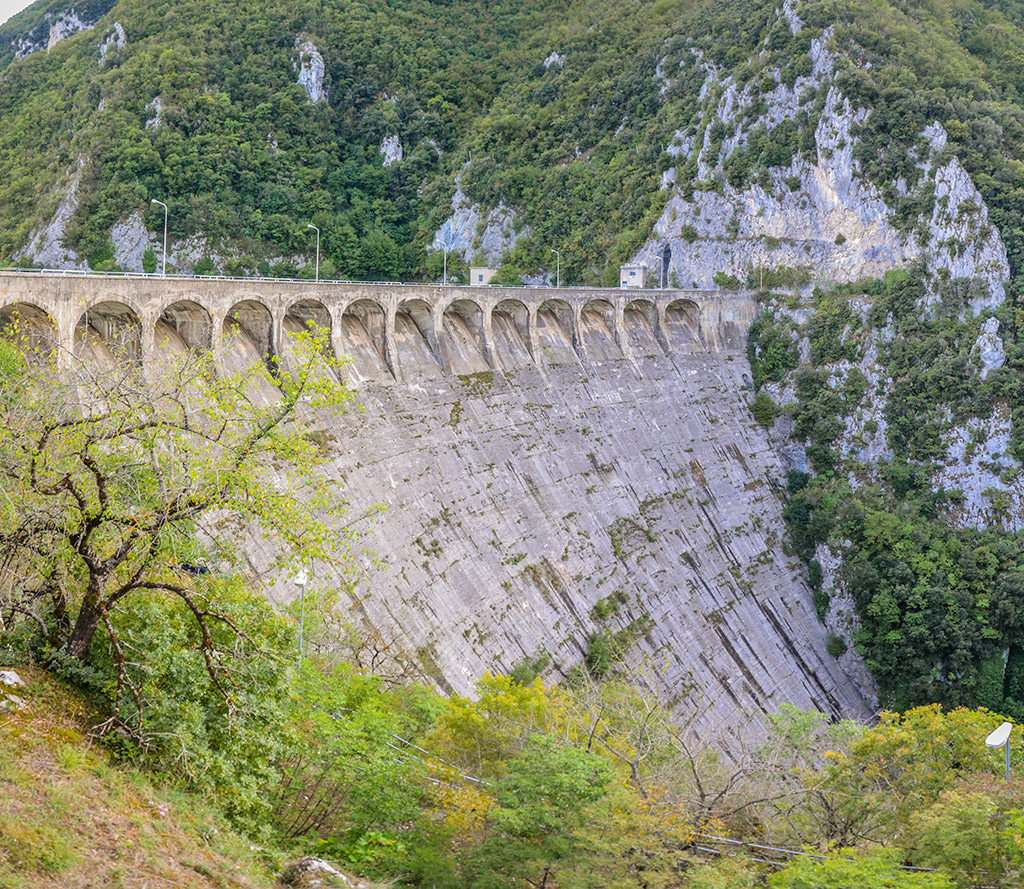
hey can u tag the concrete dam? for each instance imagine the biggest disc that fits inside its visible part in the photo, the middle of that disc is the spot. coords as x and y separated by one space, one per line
541 452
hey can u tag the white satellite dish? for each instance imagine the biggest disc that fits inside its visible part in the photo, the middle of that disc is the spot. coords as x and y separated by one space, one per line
1000 736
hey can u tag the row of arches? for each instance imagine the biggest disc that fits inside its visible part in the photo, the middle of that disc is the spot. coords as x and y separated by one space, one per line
404 341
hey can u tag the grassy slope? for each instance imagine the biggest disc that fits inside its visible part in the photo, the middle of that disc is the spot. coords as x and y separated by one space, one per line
69 817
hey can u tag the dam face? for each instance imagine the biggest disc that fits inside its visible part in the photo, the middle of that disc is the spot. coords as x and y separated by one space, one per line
539 454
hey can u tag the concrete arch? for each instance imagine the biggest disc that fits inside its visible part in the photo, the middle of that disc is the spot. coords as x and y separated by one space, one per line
190 321
556 332
643 332
681 320
464 344
414 333
254 320
509 328
109 333
599 330
359 341
300 316
32 329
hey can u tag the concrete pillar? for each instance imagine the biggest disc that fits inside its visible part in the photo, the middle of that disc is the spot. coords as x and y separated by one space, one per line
532 340
621 338
390 344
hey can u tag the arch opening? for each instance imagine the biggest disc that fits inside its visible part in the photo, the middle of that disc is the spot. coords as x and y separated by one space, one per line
186 324
361 342
555 333
109 334
682 321
462 338
31 329
640 320
249 331
597 331
414 339
306 314
510 331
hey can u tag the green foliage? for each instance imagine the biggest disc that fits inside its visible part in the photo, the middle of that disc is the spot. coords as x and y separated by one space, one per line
881 869
771 348
540 805
149 261
765 410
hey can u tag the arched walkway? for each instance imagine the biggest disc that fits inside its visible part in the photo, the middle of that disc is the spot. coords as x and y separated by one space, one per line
510 333
360 343
640 319
110 335
682 323
555 333
597 331
462 342
31 329
415 343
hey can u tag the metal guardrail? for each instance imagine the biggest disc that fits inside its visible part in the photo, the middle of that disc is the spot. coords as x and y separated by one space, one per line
88 273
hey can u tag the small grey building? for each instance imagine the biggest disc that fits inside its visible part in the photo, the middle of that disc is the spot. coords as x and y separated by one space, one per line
632 275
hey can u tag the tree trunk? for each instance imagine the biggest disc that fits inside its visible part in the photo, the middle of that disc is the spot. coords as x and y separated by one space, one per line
89 617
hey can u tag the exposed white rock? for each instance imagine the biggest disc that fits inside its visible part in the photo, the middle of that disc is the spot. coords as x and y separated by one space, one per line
157 109
131 239
789 12
976 463
935 133
990 347
63 26
681 144
470 232
46 247
962 240
310 872
9 700
11 679
391 148
115 40
310 66
555 58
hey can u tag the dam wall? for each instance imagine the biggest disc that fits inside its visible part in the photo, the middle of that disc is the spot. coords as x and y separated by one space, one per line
553 464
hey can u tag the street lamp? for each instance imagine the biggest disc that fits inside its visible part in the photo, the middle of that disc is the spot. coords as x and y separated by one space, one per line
558 267
163 272
310 225
1001 738
301 579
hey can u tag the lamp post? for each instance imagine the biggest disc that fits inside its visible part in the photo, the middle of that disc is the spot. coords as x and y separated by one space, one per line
163 271
558 267
310 225
301 579
1001 738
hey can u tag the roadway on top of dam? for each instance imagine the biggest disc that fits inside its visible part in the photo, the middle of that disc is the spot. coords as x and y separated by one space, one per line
490 320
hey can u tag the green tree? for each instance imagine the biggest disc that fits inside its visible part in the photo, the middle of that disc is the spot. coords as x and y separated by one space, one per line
542 807
107 479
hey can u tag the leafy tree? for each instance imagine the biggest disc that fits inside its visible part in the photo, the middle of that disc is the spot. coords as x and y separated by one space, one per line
108 479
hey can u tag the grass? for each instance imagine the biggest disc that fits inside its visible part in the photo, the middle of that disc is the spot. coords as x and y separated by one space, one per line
72 817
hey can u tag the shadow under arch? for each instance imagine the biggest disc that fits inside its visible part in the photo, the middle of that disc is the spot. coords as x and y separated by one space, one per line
640 319
415 346
249 328
510 331
31 329
303 315
597 331
682 323
462 342
556 338
361 341
189 323
109 333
